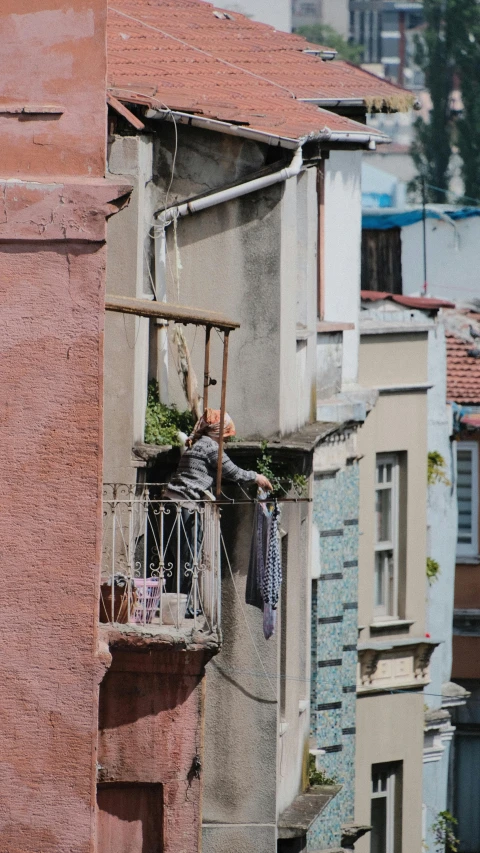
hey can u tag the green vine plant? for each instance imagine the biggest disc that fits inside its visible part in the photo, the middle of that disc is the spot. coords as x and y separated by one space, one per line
281 475
436 469
444 830
433 570
317 777
162 422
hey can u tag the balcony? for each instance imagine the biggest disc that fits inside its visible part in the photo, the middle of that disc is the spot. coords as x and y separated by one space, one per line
160 564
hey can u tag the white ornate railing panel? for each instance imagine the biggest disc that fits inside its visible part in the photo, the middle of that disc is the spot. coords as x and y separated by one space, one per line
160 559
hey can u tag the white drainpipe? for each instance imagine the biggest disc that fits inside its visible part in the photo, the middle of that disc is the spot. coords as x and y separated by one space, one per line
221 196
167 216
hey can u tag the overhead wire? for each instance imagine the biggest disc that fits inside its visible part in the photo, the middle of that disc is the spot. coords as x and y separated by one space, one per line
204 52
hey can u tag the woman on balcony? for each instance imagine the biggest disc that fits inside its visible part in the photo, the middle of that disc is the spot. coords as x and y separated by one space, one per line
192 483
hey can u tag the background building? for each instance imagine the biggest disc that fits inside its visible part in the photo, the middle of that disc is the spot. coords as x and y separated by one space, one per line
464 391
333 13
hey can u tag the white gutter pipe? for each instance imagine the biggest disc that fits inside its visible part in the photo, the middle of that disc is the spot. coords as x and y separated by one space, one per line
231 193
222 127
326 135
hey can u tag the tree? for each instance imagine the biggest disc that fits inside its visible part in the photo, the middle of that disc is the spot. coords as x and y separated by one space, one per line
466 47
432 148
449 50
327 36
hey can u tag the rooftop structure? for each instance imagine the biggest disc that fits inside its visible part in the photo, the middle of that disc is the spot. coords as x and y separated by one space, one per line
243 73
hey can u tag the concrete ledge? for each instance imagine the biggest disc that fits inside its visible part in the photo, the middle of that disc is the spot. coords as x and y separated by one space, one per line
297 819
149 637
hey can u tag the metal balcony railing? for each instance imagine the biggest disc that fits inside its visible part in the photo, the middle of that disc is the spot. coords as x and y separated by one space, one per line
160 560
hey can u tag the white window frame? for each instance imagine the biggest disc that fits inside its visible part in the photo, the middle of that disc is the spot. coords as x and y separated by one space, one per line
389 796
470 549
389 609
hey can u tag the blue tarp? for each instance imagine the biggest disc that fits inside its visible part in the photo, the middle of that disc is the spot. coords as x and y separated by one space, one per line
399 219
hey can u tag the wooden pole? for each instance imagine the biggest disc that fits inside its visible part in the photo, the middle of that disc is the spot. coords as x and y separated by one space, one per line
222 413
206 373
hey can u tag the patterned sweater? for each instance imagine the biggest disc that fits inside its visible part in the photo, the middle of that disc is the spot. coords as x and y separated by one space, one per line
198 469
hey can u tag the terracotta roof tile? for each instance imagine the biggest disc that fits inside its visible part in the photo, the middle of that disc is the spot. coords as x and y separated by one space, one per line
179 54
424 303
463 371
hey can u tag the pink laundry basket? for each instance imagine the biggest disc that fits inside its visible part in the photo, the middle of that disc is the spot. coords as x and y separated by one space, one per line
147 599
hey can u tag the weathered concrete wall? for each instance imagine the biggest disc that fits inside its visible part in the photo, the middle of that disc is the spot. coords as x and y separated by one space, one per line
52 270
257 697
241 722
127 337
342 250
254 260
150 734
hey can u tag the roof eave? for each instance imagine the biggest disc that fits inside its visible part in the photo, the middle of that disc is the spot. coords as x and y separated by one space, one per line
350 138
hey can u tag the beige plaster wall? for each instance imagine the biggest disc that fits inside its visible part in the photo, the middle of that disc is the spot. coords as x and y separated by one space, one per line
393 359
390 728
397 424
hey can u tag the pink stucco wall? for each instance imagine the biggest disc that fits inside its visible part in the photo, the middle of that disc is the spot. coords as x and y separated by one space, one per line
53 57
54 200
52 271
150 734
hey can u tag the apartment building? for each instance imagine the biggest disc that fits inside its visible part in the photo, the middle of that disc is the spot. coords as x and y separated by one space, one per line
333 13
148 730
462 326
385 29
394 647
259 195
52 260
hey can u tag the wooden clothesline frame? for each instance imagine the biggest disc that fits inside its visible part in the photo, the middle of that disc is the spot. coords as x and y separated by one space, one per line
187 316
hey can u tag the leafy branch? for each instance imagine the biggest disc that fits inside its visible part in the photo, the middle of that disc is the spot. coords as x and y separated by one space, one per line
444 831
163 423
282 476
317 777
433 570
436 469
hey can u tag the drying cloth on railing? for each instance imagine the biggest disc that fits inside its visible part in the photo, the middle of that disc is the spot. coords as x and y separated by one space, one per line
264 577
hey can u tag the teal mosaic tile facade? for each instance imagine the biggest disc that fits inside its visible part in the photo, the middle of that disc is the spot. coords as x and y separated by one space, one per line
334 643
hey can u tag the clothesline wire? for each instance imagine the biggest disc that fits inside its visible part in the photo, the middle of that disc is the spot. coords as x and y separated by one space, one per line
237 594
279 677
452 192
415 691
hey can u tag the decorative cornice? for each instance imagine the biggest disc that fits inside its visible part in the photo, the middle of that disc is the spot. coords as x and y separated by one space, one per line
66 211
390 665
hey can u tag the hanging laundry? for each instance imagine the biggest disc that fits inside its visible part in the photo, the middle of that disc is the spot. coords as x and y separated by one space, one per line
264 577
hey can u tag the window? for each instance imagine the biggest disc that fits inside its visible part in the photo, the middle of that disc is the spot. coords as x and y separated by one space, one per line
382 256
467 498
386 536
386 810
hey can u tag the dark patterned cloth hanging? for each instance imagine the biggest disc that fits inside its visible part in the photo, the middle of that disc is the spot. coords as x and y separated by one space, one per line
265 567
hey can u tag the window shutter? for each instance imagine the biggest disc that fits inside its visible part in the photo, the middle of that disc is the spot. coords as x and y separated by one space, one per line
467 499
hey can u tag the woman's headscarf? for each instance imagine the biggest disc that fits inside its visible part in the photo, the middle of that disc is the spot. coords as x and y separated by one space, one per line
209 424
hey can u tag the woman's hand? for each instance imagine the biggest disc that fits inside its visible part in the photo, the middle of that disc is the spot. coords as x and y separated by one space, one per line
264 483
